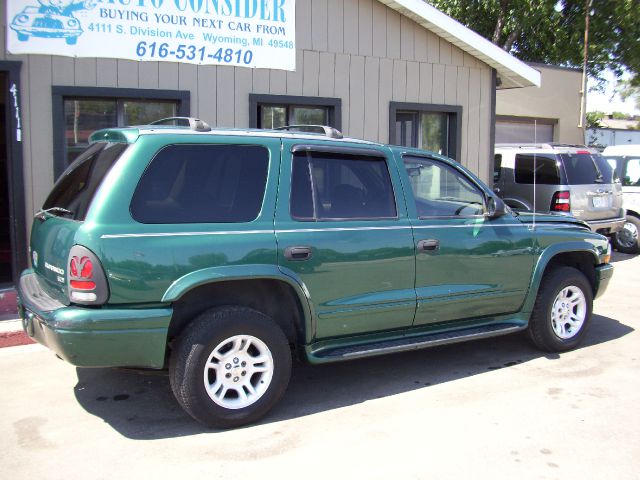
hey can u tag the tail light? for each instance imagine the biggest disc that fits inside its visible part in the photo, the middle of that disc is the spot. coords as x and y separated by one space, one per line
86 282
561 202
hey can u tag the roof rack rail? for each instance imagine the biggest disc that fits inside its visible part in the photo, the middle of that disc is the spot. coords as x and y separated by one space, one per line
550 145
194 124
324 129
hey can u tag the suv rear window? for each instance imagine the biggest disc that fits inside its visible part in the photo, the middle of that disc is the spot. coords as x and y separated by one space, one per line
585 169
78 184
202 184
545 173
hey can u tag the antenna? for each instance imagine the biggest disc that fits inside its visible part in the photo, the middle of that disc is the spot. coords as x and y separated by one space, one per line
535 169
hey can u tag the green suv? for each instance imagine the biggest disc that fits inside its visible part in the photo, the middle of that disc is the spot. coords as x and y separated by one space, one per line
222 254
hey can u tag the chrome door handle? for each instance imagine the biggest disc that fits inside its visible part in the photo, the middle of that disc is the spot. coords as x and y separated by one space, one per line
298 253
429 245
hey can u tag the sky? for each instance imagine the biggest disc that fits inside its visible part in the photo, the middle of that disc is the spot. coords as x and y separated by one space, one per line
608 101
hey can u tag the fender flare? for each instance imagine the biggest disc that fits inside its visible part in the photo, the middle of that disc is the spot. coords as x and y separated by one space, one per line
227 273
543 261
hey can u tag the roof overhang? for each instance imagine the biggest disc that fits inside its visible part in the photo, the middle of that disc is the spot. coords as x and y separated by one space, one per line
512 72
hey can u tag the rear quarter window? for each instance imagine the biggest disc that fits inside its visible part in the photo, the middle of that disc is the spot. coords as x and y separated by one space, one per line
542 168
202 184
77 186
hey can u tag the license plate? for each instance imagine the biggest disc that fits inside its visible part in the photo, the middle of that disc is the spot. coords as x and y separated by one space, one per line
600 202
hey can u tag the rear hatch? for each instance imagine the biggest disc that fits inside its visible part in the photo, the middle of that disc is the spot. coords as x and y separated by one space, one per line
595 192
63 213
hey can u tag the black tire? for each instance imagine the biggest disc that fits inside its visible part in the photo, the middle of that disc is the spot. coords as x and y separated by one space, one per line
191 353
541 324
626 240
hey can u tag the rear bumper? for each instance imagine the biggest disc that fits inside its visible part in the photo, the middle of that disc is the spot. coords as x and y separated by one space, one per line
604 273
95 337
608 226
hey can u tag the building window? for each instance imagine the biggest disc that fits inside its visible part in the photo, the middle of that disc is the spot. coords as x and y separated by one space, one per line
436 128
275 111
80 111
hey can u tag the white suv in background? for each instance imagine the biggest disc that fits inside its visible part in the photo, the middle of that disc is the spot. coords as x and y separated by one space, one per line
625 159
570 179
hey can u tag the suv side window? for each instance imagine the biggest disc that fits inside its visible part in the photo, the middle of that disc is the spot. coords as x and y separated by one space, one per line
333 186
497 167
202 184
632 172
441 191
545 172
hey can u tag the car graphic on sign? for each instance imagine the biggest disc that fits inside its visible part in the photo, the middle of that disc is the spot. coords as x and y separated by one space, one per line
52 19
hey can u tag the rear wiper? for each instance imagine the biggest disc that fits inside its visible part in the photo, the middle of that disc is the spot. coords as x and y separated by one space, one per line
41 213
599 177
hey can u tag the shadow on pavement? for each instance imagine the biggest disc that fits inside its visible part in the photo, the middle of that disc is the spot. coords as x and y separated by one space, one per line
140 404
621 257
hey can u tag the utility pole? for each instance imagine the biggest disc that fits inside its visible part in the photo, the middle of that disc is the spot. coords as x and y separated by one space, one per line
583 102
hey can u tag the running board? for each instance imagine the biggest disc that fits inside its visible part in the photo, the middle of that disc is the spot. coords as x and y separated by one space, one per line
415 342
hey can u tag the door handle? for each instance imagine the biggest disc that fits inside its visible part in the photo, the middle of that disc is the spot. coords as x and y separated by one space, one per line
429 245
298 254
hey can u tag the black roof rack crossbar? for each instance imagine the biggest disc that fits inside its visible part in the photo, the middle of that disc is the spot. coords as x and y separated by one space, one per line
324 129
194 124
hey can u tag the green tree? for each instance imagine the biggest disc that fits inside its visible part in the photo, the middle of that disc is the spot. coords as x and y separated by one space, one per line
594 118
629 90
552 31
619 116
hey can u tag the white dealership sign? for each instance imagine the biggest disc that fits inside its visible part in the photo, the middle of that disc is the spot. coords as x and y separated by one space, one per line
245 33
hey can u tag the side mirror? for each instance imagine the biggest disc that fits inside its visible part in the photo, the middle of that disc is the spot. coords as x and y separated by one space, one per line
495 207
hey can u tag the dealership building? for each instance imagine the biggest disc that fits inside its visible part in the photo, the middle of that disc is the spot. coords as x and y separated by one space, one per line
397 72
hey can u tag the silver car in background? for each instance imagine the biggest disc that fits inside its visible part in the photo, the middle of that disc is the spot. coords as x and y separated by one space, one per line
568 179
625 159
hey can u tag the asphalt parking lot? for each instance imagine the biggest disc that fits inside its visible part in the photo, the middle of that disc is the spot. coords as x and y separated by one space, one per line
496 408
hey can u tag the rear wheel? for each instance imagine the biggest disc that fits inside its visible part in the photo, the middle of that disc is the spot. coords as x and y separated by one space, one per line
562 310
230 367
626 240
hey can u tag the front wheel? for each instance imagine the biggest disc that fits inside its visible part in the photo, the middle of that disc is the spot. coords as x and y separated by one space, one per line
626 240
230 367
562 310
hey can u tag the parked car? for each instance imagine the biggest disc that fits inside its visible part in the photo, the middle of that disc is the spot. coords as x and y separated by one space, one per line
568 179
220 253
625 159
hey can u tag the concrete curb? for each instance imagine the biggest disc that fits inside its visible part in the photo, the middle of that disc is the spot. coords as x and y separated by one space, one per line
11 334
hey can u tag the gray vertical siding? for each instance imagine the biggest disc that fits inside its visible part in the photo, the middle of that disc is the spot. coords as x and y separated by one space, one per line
360 51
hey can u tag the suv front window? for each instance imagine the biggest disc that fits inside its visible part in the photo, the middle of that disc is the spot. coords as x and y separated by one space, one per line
441 191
